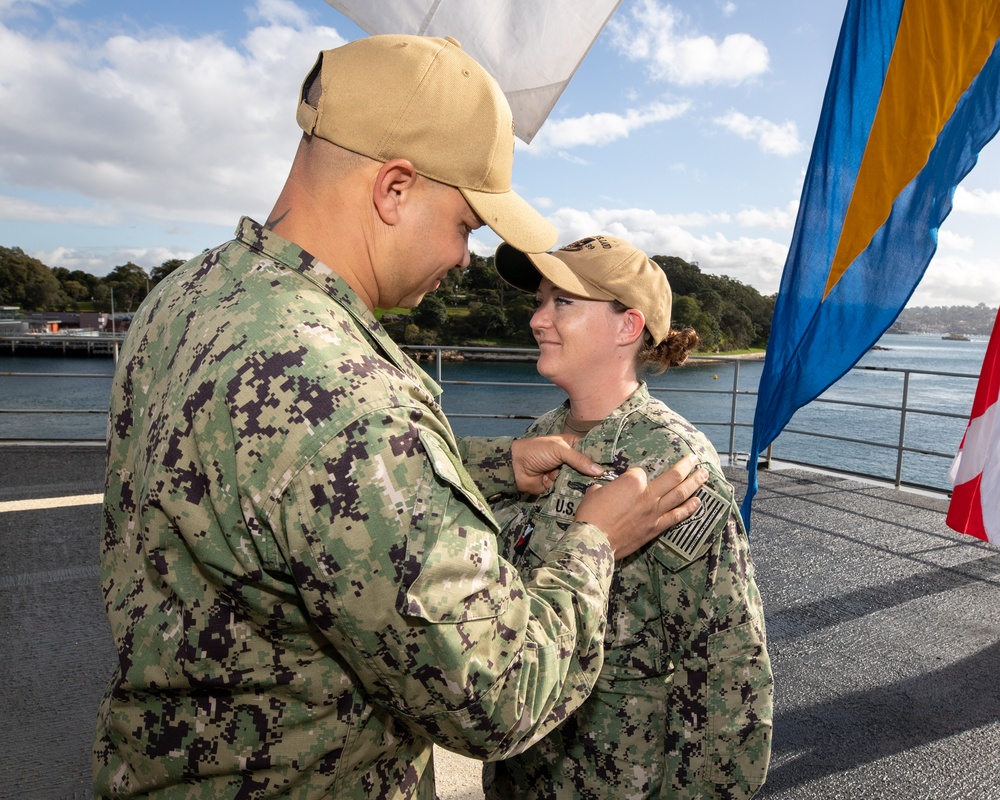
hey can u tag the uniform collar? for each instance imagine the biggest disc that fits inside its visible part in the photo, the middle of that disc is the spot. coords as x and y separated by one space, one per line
261 240
601 443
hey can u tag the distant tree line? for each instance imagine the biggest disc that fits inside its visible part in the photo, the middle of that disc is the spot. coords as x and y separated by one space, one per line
472 306
971 320
476 306
27 282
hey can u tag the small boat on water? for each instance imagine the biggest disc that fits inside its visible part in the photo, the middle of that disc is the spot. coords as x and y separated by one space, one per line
956 337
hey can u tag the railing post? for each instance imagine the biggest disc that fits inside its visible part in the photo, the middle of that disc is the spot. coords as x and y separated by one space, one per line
732 413
437 371
902 429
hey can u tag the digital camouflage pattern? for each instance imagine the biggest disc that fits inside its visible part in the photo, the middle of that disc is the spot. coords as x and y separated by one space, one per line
301 577
682 709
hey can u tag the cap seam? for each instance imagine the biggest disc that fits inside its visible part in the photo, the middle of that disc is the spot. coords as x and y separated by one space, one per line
493 153
405 107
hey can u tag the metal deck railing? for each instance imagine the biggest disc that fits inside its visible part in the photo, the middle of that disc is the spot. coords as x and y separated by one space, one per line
737 417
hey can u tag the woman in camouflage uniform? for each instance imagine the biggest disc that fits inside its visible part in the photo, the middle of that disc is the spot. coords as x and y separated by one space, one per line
682 707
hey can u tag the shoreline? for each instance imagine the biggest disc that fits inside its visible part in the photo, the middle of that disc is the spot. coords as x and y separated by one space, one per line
49 345
458 354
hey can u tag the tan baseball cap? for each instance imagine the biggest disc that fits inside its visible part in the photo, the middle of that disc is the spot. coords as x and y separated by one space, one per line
426 100
598 268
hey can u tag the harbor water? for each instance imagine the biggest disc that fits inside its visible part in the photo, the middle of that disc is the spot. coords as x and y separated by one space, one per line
703 393
34 408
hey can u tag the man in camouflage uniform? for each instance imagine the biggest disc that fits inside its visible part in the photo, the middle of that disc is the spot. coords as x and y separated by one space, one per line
298 562
683 705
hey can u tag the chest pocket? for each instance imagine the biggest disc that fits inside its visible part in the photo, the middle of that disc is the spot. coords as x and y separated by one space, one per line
551 516
531 527
632 647
515 518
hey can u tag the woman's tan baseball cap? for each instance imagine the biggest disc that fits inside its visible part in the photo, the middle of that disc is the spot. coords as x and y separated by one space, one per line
426 100
598 268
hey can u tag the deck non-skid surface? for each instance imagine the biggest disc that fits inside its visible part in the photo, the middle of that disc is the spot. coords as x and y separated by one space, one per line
883 628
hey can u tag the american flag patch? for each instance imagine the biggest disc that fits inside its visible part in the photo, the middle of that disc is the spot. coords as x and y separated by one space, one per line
689 537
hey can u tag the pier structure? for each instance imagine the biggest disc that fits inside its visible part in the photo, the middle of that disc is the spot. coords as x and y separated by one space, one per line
104 344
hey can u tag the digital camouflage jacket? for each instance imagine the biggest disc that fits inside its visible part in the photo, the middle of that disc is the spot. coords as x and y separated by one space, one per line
682 709
300 575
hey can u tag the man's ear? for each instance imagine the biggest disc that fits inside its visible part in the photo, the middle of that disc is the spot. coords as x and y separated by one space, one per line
393 184
633 322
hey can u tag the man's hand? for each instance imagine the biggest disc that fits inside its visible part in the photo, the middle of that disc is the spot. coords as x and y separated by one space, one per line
631 511
537 460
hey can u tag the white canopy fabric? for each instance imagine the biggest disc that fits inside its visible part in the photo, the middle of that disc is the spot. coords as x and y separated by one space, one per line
532 48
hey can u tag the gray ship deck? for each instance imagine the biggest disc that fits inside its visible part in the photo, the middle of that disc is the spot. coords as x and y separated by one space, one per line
883 626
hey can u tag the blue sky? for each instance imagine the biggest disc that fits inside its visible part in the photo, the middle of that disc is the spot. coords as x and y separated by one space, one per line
142 131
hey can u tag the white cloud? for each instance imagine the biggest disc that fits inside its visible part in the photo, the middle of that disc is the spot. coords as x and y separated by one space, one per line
199 130
776 218
781 140
572 159
101 263
24 8
952 241
977 201
957 280
652 33
953 277
728 9
754 261
283 12
21 210
600 129
481 244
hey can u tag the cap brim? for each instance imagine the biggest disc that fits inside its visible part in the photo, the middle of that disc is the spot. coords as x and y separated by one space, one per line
516 269
525 271
513 220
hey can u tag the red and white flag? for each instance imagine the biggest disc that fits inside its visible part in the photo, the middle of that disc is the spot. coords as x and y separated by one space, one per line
975 473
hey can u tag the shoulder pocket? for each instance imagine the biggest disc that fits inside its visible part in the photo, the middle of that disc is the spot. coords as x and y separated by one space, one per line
689 540
448 466
452 567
